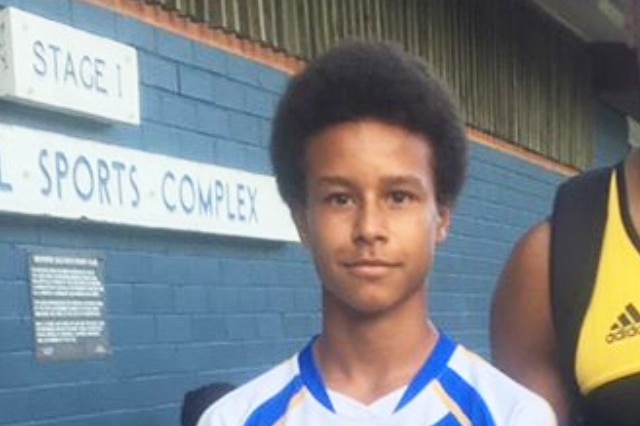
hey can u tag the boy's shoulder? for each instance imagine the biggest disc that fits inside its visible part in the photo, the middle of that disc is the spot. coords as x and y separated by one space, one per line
236 406
507 400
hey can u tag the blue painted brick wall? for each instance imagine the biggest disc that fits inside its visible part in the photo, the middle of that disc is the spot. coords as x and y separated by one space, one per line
502 198
185 309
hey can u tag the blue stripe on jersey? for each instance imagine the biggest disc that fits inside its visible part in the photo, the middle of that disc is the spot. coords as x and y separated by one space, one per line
275 407
448 420
311 377
467 398
432 368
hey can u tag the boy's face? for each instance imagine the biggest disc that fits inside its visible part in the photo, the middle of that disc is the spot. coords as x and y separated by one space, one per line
371 219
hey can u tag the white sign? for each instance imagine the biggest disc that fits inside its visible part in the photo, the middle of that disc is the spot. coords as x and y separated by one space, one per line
49 174
51 65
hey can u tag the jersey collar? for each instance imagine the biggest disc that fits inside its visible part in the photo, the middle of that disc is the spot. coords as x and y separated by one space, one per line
435 364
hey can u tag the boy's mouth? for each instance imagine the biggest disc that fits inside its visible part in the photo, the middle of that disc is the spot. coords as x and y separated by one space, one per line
370 267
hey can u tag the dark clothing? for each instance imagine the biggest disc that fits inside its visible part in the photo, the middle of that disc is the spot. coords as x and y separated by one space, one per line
196 401
595 273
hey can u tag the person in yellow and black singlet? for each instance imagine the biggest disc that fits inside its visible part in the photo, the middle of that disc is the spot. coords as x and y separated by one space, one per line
566 313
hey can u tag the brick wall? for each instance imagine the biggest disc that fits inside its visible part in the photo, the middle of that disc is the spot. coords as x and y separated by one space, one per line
502 198
186 309
182 309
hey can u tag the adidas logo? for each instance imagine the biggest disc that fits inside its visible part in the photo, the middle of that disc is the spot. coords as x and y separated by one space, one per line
627 325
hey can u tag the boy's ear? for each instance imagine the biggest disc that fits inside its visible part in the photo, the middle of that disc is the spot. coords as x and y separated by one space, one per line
298 214
443 223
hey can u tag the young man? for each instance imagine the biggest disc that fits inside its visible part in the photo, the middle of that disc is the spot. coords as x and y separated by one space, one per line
565 318
369 153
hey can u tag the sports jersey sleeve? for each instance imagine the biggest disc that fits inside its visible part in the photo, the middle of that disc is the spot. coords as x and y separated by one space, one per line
262 401
506 402
536 412
228 411
211 418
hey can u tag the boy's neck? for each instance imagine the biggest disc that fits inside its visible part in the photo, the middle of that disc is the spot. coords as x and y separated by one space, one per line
367 358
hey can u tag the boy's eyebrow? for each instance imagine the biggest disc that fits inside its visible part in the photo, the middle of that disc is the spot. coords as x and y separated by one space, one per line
386 181
403 180
332 180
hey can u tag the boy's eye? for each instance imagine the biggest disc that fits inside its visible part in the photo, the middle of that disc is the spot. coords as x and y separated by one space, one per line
400 197
339 199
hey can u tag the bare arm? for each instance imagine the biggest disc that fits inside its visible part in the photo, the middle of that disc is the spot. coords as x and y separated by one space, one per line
522 334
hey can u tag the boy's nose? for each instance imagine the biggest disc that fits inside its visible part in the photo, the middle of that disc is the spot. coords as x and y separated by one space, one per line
370 224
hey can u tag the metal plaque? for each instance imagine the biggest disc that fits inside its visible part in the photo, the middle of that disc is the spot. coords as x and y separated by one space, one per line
68 301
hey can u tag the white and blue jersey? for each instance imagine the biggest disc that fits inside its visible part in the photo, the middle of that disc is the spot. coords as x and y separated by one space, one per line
453 387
